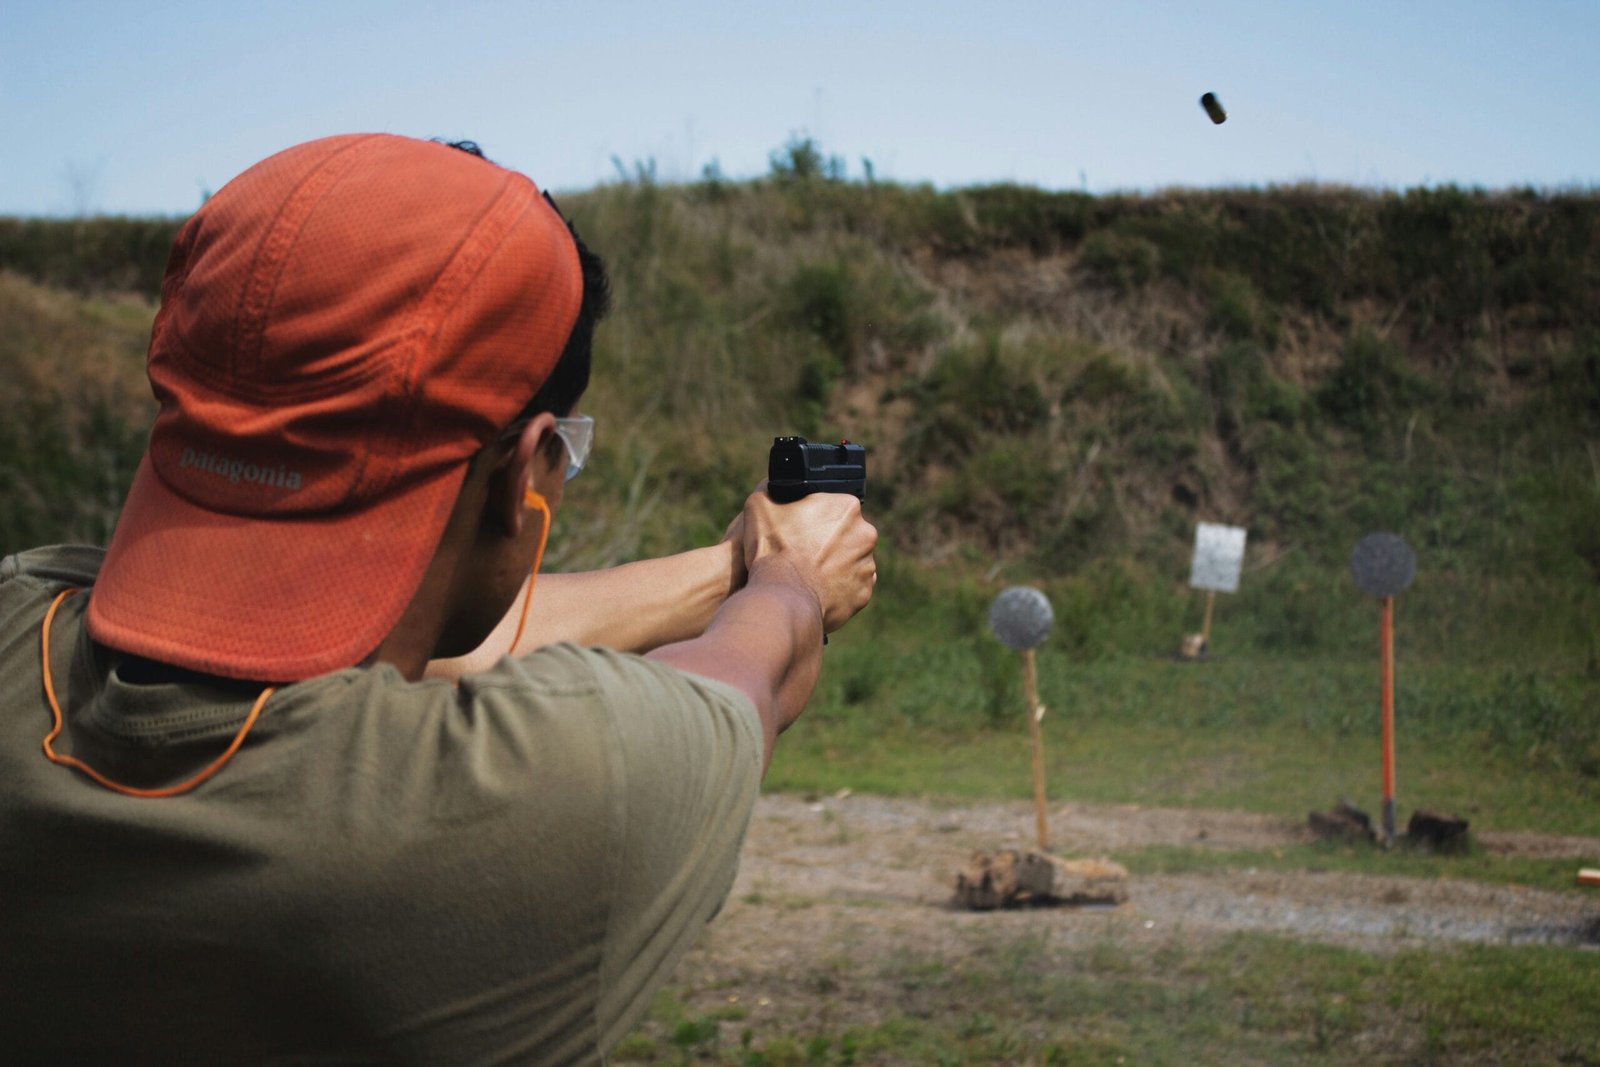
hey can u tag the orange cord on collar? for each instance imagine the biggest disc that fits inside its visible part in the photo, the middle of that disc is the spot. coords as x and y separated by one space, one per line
78 765
536 501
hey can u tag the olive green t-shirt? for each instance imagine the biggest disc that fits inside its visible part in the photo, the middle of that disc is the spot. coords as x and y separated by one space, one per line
500 871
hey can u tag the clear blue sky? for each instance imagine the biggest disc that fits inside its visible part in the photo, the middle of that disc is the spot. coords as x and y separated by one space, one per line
140 106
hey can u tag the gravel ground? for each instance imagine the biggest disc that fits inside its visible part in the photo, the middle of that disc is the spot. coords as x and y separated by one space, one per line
834 862
842 901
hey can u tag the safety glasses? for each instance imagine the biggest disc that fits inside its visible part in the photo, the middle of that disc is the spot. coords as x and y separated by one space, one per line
577 433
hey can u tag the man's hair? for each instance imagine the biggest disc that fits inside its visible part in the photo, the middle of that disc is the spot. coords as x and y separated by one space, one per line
570 377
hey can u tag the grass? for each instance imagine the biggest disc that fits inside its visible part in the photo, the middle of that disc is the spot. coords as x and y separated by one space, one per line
1273 736
1276 771
1360 858
1241 999
74 412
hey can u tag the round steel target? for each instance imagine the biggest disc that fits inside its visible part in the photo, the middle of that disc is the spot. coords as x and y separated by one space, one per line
1021 617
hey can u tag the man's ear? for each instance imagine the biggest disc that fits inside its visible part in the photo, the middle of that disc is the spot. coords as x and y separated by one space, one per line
515 473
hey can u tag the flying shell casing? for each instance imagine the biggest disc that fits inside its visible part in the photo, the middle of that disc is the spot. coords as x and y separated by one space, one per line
1213 108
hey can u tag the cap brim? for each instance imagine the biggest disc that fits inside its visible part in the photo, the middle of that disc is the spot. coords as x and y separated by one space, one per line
264 599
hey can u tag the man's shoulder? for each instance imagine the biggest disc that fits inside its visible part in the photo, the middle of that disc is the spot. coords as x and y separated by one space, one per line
639 701
29 580
569 669
55 564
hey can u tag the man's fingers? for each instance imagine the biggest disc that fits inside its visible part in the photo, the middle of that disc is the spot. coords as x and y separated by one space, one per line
827 541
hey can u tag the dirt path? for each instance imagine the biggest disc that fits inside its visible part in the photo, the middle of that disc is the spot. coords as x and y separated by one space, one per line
824 882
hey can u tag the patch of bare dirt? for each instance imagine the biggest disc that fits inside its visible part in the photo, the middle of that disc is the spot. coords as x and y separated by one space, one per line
840 900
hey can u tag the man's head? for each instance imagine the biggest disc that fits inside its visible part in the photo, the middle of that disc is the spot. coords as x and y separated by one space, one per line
570 378
344 328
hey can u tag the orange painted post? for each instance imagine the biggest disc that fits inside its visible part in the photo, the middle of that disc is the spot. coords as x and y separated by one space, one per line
1387 672
1382 565
1030 692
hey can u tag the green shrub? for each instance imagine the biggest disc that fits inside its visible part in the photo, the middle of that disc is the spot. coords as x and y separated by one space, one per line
1238 311
967 398
94 255
1370 386
821 302
1124 262
1016 215
801 160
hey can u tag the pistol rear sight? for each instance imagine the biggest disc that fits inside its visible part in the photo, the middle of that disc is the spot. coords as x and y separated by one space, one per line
796 468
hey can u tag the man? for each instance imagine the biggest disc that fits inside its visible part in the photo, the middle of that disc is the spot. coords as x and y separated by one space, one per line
277 816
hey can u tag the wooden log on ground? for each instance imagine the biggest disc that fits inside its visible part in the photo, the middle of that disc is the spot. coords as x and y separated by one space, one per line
1010 879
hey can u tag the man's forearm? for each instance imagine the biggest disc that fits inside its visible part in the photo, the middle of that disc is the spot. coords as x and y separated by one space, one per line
634 607
637 606
766 641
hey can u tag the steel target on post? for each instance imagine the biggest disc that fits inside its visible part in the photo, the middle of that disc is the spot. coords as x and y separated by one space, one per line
1021 619
1383 565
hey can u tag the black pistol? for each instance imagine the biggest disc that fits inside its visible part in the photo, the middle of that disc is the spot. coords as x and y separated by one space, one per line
796 468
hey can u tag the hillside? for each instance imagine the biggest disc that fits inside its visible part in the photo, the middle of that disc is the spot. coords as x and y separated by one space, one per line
1054 388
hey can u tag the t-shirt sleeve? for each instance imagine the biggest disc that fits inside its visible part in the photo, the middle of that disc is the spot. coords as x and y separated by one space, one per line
70 564
552 845
688 765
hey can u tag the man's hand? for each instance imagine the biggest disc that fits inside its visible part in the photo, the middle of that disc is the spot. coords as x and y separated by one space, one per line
823 539
810 569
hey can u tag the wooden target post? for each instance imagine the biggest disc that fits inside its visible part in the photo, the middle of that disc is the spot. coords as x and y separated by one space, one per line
1030 693
1021 618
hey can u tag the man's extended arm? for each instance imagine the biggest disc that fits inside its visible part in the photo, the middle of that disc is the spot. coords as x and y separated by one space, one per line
633 608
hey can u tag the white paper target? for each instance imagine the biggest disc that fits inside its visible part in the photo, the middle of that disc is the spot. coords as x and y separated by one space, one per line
1218 557
1021 617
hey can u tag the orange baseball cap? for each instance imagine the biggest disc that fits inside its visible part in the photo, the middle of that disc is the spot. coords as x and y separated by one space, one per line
342 327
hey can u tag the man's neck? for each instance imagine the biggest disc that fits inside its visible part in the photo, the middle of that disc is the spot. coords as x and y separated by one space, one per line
141 671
